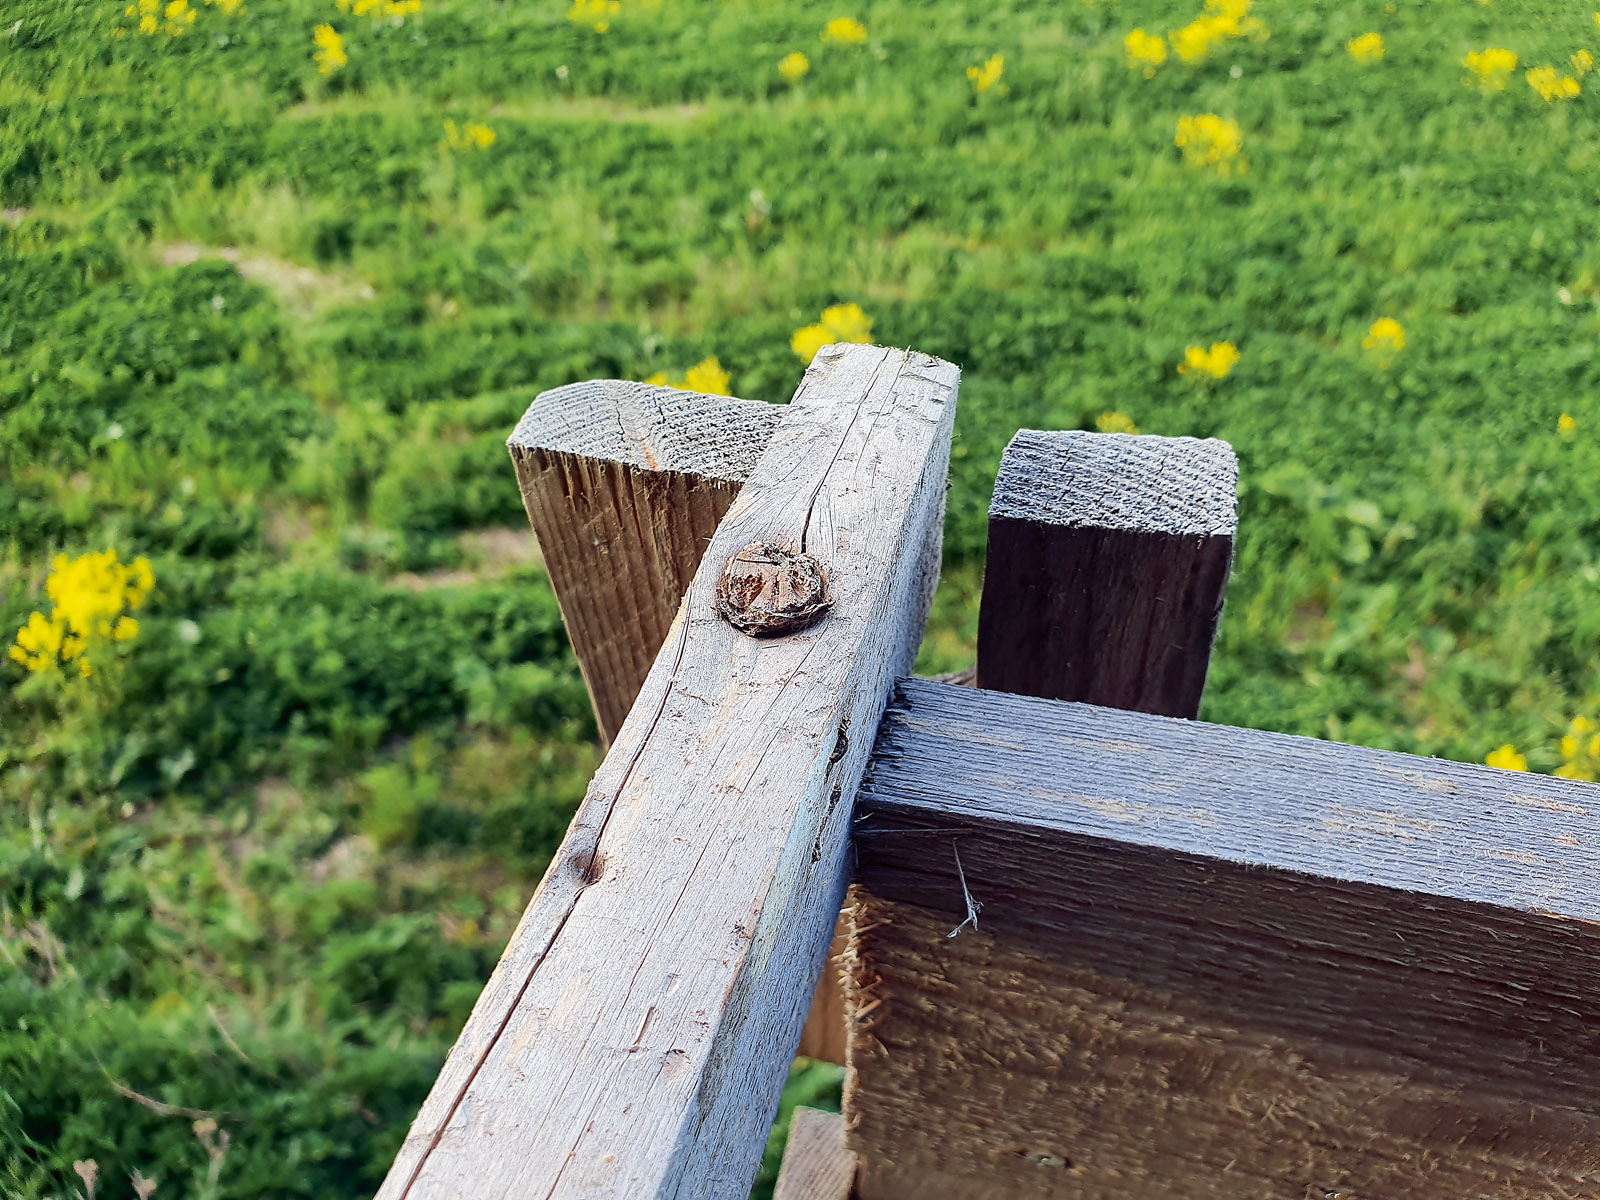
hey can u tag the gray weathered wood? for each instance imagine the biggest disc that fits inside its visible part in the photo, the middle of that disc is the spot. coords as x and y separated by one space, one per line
816 1163
1215 963
624 484
1108 557
635 1037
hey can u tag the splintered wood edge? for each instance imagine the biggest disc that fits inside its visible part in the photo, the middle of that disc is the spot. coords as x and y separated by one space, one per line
650 427
638 1029
1119 481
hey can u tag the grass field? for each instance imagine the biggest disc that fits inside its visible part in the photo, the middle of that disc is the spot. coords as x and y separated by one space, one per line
270 302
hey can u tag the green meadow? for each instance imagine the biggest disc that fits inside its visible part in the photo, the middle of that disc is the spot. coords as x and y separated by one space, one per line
266 319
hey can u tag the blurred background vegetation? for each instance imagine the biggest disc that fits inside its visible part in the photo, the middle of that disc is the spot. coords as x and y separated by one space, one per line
271 300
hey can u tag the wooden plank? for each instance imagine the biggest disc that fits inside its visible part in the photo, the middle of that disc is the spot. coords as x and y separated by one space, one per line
816 1163
624 484
1215 963
635 1037
1108 558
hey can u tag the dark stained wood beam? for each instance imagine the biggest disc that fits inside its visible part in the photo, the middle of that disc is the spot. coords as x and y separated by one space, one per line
1111 955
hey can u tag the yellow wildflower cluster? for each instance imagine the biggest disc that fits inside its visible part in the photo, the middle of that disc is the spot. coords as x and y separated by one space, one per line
705 376
1213 363
847 31
1221 21
839 323
171 17
1491 68
1208 140
90 598
985 77
1565 425
229 7
380 8
1115 422
1582 62
330 55
1368 48
471 136
1507 759
1146 51
596 14
1552 85
793 67
1580 751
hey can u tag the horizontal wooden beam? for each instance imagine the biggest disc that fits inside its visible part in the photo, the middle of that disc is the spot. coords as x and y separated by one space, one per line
816 1163
635 1037
1154 959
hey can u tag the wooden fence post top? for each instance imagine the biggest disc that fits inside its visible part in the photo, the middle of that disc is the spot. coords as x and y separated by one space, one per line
650 427
1137 482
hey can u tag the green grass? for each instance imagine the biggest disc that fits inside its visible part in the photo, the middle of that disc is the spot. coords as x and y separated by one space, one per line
258 326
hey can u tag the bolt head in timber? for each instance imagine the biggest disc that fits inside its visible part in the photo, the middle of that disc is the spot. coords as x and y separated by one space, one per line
769 589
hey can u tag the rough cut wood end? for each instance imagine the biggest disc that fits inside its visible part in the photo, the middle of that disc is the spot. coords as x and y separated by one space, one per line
653 428
1119 481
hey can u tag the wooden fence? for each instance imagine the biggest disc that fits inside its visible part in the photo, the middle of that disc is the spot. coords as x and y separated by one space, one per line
1082 945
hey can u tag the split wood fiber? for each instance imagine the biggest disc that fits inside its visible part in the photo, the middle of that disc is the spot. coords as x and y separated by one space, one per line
624 484
1108 558
1216 964
816 1163
635 1037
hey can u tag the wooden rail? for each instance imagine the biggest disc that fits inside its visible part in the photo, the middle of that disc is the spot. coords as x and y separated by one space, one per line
1089 952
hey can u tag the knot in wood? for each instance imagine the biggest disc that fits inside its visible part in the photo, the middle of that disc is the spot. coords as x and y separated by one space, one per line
768 590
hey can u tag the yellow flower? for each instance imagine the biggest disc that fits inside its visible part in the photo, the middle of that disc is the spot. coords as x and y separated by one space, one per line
1145 50
1565 425
806 342
90 597
793 67
838 323
705 376
229 7
1387 336
1491 67
330 55
471 136
1507 759
596 14
1208 140
1583 62
846 31
1115 422
985 77
1223 19
1215 362
1581 726
1551 85
1368 48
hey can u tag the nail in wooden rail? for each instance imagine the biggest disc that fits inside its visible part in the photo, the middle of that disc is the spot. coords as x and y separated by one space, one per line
1215 963
1108 557
636 1035
624 484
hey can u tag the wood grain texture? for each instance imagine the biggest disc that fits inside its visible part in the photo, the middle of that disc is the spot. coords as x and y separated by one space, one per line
1108 558
1215 964
624 484
816 1163
634 1039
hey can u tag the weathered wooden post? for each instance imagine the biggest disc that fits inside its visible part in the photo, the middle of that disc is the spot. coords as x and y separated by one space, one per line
635 1037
